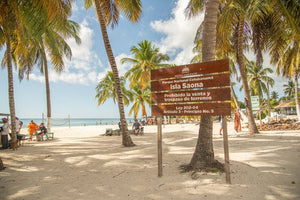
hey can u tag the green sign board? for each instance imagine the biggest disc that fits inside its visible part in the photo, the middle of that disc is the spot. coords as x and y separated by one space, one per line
255 102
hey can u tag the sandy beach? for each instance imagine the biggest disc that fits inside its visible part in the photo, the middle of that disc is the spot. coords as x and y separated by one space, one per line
81 164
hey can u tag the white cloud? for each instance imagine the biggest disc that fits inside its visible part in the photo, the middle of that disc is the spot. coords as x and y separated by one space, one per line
180 33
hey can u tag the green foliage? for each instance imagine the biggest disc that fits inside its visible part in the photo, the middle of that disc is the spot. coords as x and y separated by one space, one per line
242 105
273 103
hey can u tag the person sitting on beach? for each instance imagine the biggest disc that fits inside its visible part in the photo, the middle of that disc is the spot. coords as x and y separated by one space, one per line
136 126
43 130
32 128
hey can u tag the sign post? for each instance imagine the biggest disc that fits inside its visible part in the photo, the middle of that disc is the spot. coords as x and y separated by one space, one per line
159 146
200 89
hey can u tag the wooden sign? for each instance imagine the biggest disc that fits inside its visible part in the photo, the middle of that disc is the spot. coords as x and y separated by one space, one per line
203 109
218 94
190 83
191 69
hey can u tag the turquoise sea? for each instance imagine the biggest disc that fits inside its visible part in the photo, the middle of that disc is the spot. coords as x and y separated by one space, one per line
64 122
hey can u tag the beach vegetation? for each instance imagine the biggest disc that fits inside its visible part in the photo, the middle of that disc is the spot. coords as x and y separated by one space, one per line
284 42
259 81
108 13
106 89
146 58
289 89
141 98
274 95
19 25
50 42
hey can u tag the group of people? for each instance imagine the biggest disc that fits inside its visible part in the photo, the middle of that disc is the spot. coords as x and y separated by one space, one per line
32 128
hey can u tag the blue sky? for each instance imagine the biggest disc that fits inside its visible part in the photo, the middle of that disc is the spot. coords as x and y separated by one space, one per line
73 91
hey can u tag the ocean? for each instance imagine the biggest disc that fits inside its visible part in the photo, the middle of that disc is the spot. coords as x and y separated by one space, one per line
64 122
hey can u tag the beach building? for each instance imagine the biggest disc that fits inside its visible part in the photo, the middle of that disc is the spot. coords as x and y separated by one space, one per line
286 108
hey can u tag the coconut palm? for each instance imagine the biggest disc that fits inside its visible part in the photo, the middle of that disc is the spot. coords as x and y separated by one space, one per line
50 41
241 17
106 89
19 23
146 58
108 13
141 97
203 156
274 95
284 40
259 81
289 89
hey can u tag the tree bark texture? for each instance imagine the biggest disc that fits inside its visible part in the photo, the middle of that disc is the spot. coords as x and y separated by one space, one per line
11 89
47 93
297 96
203 156
126 139
240 59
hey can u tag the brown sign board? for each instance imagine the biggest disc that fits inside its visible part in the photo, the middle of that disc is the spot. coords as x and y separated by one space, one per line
191 69
218 94
199 82
203 109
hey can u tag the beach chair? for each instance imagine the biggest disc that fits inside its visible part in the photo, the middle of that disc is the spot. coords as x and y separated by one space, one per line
47 135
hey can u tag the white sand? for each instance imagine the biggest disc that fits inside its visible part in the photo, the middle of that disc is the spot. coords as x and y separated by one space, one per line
80 164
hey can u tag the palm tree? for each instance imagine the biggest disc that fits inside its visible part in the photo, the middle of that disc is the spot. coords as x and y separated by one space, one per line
12 28
259 81
19 24
108 13
51 39
234 18
146 58
140 99
274 95
203 156
289 89
284 41
106 89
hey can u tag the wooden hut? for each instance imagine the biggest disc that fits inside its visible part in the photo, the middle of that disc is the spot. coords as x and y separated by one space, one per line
286 108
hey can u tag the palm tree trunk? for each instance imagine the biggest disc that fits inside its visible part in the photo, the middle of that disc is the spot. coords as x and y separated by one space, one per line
11 89
240 59
268 98
144 110
203 156
297 96
234 97
47 93
126 139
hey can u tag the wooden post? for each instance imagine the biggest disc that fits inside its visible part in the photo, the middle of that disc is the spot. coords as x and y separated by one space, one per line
159 147
226 151
260 119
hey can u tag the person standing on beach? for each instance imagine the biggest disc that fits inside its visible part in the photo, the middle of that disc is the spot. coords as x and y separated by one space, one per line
221 125
32 128
4 133
237 121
